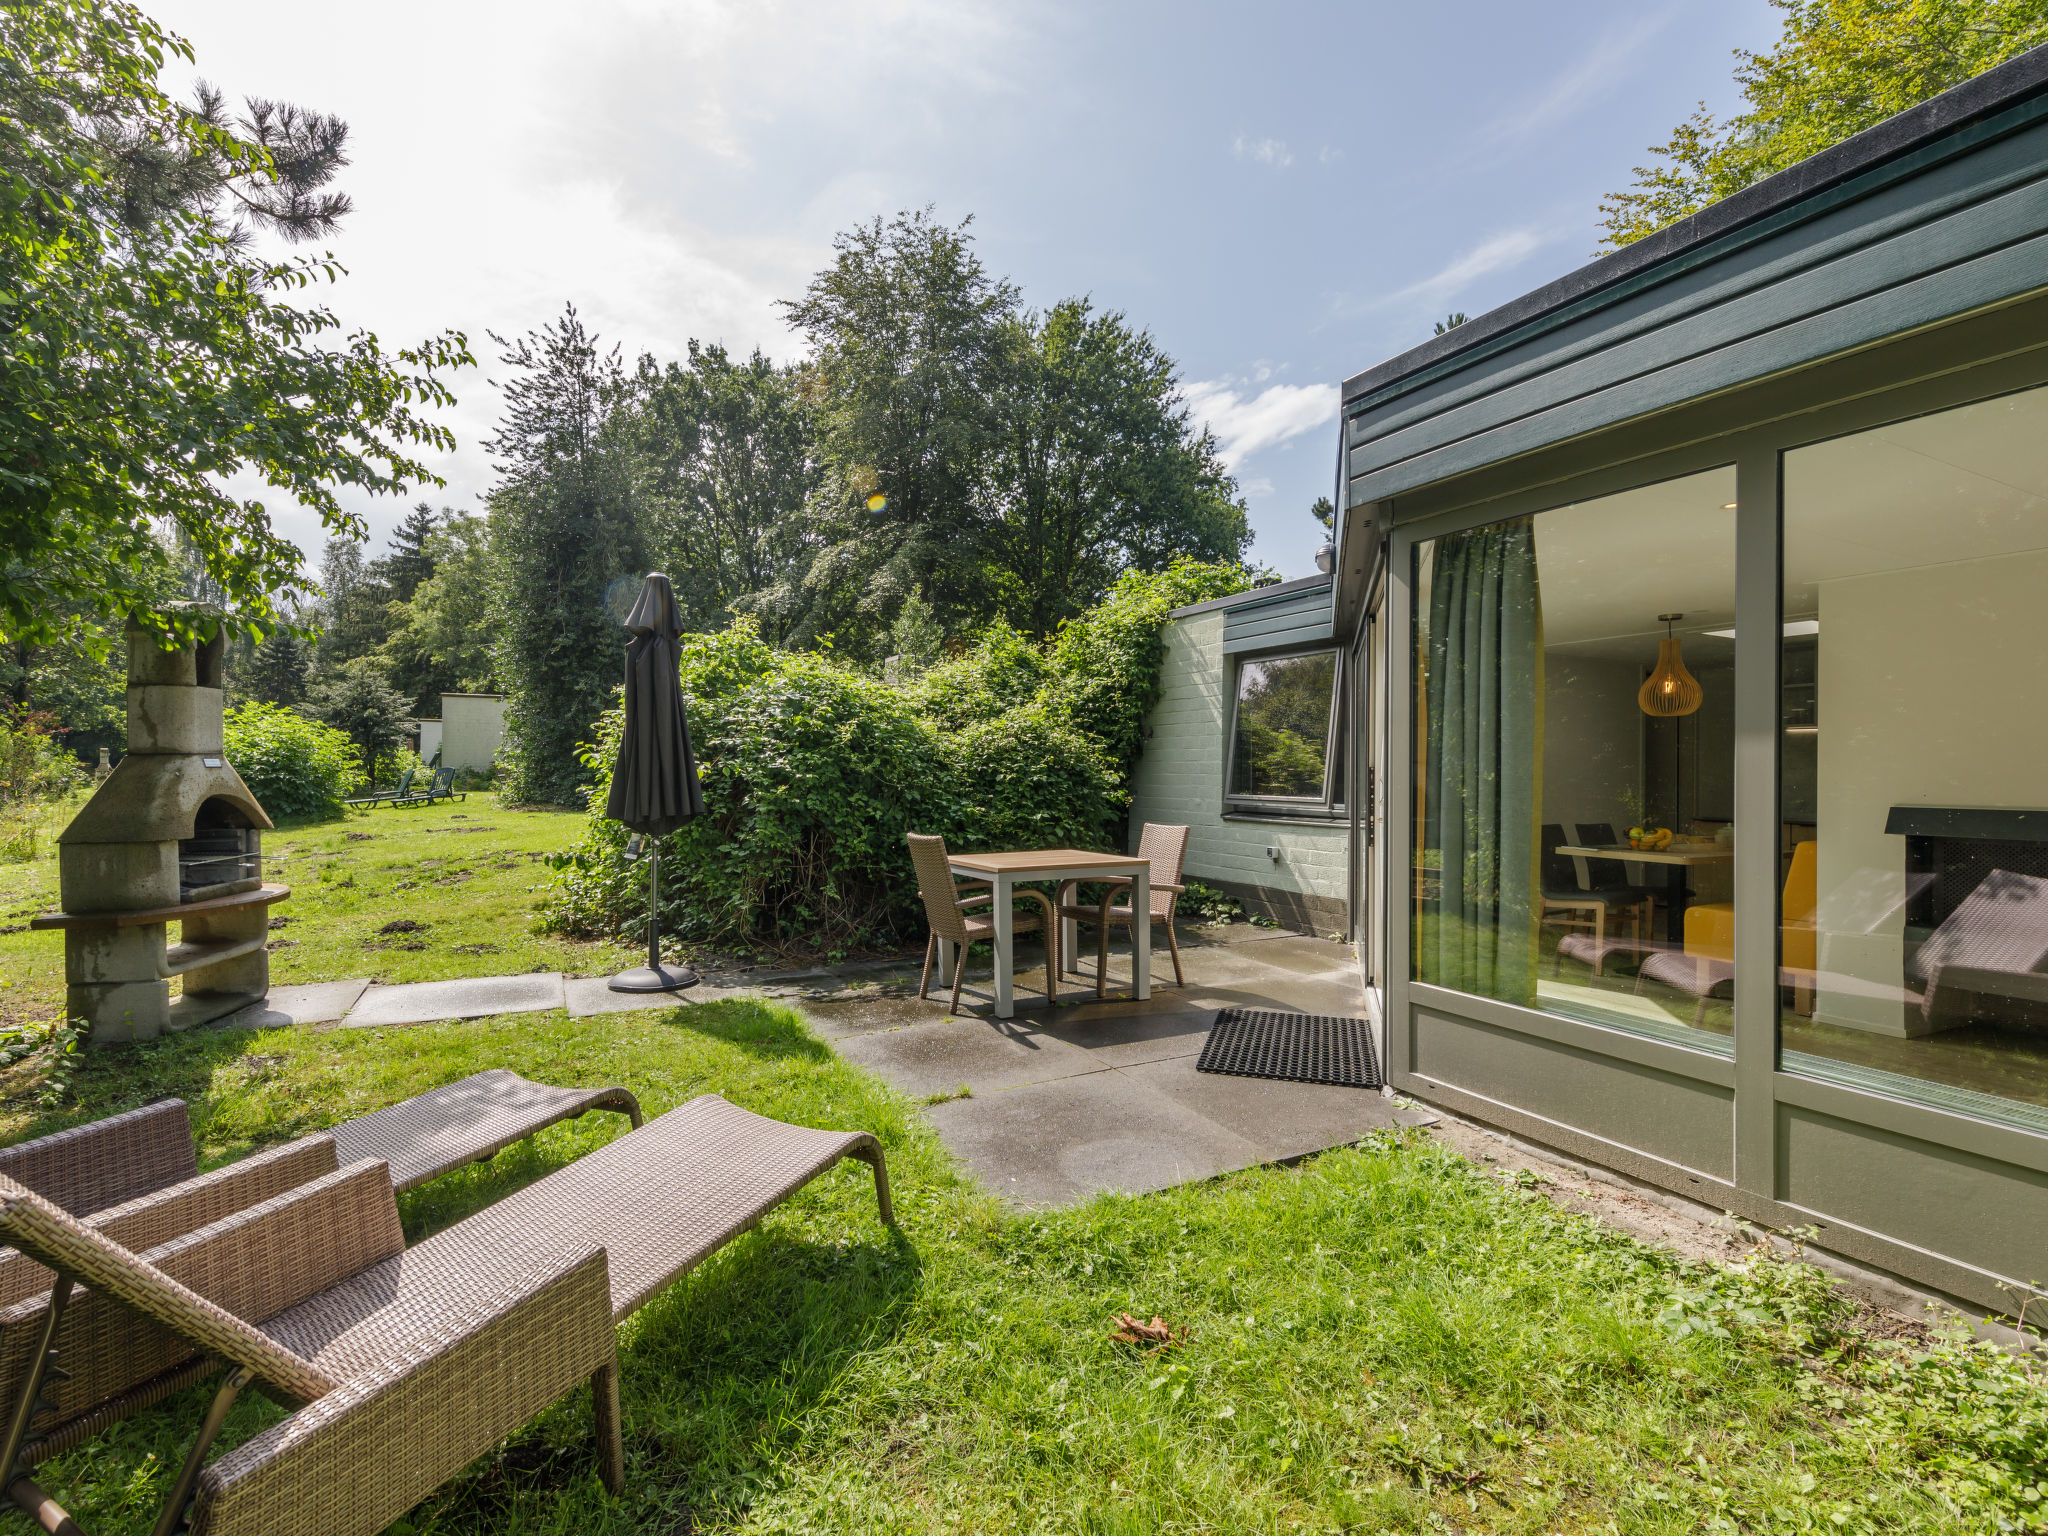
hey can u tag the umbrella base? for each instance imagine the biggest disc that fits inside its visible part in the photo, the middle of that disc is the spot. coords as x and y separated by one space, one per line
648 978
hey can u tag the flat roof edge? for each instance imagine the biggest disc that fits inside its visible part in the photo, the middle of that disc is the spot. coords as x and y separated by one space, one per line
1293 588
1996 89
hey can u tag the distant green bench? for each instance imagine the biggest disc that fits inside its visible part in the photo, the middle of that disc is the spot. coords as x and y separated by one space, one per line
397 794
442 788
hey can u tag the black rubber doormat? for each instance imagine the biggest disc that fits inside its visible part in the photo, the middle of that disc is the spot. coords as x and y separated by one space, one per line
1293 1047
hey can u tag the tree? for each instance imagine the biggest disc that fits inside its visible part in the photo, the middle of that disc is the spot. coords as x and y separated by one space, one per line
1324 511
731 460
277 671
443 640
564 529
411 557
1838 67
358 700
1097 469
908 333
1451 322
353 600
147 354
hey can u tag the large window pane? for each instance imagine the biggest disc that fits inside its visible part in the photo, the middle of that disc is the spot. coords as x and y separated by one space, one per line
1574 745
1915 752
1283 727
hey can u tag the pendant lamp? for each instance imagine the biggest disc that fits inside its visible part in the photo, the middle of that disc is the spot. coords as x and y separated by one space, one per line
1669 690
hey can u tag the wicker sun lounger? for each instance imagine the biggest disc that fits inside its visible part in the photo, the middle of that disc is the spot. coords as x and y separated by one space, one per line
133 1179
404 1364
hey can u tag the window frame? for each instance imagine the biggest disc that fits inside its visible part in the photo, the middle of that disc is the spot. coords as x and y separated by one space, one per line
1331 804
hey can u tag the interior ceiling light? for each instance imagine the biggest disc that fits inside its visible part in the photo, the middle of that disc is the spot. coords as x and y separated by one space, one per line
1728 506
1792 627
1669 690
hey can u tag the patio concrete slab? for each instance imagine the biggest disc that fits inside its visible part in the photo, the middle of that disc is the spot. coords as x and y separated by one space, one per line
839 1018
587 996
1282 1120
320 1003
1126 1034
985 1054
426 1002
1056 1143
1103 1094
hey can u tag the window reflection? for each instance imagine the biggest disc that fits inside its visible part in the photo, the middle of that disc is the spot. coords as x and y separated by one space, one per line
1915 753
1281 751
1574 702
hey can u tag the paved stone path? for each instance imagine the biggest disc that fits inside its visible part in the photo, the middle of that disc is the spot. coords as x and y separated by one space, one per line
1059 1103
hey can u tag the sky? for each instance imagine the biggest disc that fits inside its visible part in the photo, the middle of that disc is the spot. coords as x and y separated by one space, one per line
1281 193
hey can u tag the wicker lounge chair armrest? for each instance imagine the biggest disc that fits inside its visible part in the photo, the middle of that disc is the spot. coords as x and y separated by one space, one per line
251 1264
975 901
155 1218
107 1269
269 1258
363 1455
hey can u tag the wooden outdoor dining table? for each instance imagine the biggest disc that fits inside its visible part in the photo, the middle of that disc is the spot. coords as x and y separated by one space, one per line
1678 860
1006 869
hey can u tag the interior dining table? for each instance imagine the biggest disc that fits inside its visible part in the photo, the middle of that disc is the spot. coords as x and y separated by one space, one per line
1004 870
1678 860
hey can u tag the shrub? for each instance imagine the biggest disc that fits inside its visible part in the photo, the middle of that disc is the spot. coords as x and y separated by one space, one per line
1106 663
1003 671
1201 903
293 766
33 766
812 775
813 772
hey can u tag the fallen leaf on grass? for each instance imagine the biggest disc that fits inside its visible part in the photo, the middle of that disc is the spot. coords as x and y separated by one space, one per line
1151 1337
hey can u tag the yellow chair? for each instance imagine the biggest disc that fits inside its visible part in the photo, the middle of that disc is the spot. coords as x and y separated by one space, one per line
1710 928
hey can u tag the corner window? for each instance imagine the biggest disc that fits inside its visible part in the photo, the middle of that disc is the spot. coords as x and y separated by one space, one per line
1285 746
1914 882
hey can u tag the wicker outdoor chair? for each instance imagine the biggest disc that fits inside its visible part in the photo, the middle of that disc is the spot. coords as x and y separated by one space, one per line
145 1161
404 1364
945 911
1165 848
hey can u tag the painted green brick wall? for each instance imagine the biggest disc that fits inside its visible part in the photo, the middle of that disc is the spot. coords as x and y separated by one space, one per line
1180 779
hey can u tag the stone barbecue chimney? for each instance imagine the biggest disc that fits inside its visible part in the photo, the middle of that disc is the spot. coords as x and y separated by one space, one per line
172 835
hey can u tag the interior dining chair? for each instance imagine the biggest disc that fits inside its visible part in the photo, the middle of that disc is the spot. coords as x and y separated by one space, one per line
945 911
1567 904
1611 875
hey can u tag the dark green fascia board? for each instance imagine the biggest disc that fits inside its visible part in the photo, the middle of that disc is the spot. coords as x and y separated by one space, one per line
1900 168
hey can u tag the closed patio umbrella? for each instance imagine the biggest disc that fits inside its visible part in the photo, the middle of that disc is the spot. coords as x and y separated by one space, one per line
654 783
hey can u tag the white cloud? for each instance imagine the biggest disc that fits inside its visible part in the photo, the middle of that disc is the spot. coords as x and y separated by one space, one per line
1603 64
1246 421
1496 253
610 154
1273 152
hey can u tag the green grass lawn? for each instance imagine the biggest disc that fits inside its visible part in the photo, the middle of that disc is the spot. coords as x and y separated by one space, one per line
1384 1338
467 871
1381 1339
